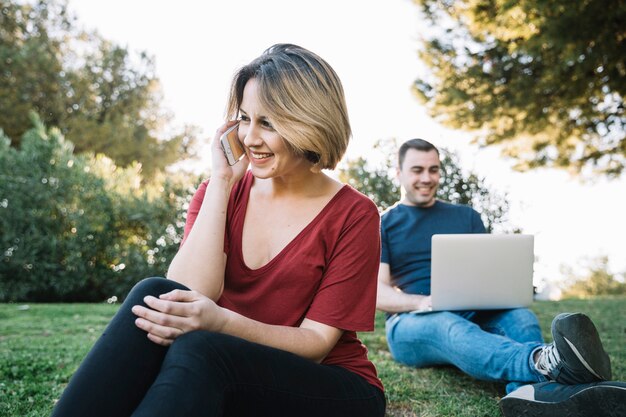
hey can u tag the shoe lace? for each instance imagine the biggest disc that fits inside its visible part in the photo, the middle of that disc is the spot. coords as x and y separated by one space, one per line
548 359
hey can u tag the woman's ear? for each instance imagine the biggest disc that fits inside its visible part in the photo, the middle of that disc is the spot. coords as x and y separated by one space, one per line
312 157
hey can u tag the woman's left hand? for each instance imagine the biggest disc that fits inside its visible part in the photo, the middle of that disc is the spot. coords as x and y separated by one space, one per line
178 312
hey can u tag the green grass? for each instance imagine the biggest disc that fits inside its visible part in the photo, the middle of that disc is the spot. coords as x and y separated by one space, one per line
40 347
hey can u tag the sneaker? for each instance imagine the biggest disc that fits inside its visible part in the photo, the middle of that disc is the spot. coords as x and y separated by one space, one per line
596 399
576 356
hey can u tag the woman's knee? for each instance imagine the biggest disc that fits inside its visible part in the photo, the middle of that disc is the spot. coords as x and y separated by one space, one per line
154 286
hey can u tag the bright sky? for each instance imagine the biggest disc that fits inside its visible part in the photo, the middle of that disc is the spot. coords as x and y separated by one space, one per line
371 44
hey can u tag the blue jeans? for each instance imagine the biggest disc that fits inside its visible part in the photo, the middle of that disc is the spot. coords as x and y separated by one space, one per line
492 345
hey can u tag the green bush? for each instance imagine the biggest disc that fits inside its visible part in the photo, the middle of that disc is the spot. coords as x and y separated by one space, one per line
78 228
596 280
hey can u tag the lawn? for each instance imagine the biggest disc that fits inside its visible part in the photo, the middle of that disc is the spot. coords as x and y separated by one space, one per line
42 344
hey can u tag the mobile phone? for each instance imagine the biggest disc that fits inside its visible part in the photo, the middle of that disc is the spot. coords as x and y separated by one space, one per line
233 149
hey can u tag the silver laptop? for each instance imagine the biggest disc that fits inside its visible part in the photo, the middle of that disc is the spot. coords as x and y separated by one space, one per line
481 271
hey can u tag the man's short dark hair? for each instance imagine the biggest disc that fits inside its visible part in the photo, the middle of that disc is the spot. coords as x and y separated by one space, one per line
417 144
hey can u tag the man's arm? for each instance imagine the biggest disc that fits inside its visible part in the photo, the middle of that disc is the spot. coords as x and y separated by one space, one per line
392 300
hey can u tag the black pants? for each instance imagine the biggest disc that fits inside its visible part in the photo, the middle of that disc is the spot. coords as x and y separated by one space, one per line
206 374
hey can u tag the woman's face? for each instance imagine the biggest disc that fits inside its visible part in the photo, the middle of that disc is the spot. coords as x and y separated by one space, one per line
266 149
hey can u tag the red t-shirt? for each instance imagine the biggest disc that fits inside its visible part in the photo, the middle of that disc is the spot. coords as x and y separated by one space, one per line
327 273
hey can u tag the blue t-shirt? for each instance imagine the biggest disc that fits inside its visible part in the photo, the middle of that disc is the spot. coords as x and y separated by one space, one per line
406 233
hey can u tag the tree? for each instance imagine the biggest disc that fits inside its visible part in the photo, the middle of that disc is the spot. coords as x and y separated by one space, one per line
103 99
377 182
544 79
31 67
596 281
114 108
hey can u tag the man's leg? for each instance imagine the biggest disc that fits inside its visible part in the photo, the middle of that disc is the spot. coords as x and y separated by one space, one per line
447 338
518 324
576 356
213 374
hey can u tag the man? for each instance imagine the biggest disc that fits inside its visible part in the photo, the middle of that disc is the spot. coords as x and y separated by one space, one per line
496 345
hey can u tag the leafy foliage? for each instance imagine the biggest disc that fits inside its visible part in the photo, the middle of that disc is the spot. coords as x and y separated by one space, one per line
597 281
377 182
77 227
374 180
103 99
544 79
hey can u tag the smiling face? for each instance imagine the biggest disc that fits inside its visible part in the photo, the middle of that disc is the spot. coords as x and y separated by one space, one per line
419 177
304 99
269 155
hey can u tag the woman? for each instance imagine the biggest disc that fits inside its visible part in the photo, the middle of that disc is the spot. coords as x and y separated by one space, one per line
276 273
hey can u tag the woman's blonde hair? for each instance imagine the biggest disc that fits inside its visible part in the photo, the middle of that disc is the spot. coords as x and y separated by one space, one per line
304 100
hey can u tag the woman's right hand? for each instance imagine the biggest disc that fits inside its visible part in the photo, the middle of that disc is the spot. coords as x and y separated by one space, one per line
177 312
204 242
219 163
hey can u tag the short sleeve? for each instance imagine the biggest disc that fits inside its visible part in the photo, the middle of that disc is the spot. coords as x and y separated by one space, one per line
477 223
346 297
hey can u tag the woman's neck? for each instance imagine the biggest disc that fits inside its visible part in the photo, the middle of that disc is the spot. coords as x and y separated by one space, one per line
311 184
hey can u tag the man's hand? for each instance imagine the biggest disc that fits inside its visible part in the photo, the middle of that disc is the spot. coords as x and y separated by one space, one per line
425 303
392 300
